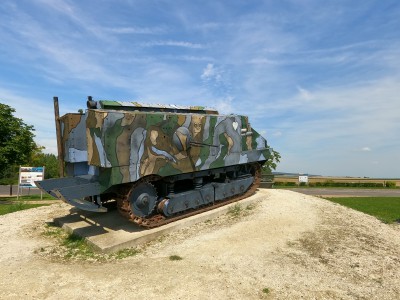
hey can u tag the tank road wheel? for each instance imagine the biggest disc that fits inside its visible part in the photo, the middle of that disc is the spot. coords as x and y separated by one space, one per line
143 199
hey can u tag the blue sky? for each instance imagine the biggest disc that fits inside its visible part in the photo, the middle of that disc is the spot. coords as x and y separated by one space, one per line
319 79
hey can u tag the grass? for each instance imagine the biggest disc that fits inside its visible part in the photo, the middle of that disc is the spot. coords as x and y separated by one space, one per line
121 254
175 257
51 229
27 198
386 209
265 290
11 204
235 210
277 186
251 206
17 206
76 247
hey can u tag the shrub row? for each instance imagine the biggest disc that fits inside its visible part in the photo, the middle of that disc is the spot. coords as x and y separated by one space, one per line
281 183
346 184
330 183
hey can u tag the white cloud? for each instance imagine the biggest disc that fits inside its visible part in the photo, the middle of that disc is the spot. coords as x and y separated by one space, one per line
224 106
277 133
135 30
214 74
304 94
208 72
366 149
171 43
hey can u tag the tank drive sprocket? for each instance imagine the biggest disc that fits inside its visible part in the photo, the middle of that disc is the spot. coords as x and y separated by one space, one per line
143 199
139 200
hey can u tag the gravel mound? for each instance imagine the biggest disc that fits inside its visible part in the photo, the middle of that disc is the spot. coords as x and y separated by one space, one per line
287 246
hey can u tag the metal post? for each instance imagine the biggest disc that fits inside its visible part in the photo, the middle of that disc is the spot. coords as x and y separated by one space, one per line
41 192
19 181
59 140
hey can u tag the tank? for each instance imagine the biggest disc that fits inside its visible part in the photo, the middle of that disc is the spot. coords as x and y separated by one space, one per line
157 163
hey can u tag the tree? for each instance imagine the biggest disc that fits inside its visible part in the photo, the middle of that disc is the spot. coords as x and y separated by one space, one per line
49 161
272 162
16 140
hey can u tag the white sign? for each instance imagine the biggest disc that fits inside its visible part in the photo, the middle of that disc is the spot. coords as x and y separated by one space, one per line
28 176
303 178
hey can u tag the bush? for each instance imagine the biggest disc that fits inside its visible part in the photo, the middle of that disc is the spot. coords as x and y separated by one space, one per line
328 183
8 181
390 184
339 184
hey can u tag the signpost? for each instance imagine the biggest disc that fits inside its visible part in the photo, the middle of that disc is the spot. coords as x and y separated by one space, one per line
303 178
27 178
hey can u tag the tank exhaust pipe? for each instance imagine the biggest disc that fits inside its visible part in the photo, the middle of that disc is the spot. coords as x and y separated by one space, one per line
58 136
91 103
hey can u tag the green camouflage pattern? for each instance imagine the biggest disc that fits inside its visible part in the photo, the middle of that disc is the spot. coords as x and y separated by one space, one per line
124 145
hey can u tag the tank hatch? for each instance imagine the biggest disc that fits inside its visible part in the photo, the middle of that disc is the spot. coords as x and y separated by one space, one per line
136 106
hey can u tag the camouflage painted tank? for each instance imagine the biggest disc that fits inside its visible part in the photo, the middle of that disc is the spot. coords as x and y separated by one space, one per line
159 162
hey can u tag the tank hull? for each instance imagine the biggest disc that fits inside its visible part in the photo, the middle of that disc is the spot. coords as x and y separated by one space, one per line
113 146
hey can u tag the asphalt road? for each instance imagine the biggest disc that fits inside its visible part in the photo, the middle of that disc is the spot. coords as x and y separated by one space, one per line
334 192
6 191
344 192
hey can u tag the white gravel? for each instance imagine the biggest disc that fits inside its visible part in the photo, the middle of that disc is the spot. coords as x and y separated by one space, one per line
294 245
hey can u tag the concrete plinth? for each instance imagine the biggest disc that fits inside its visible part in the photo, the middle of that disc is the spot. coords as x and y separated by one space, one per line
110 232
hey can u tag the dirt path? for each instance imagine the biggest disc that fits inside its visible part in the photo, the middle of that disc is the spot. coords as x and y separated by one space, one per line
292 244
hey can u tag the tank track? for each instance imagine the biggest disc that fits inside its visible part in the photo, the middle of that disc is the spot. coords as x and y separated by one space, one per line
157 220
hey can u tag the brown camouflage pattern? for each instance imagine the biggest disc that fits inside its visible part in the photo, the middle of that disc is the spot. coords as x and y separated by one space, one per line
123 146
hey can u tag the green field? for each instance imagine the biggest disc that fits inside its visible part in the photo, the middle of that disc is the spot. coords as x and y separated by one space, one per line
386 209
26 198
11 204
16 206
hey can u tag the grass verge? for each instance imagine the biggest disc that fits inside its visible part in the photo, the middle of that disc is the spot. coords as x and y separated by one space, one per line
13 207
11 204
386 209
27 198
